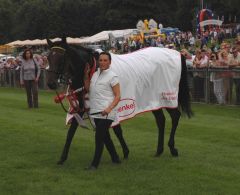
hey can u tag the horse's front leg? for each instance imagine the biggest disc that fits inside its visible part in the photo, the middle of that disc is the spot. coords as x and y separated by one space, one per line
175 115
70 135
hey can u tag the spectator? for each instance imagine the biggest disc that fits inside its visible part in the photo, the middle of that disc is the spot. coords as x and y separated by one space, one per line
45 62
235 62
29 76
216 78
200 61
226 75
192 40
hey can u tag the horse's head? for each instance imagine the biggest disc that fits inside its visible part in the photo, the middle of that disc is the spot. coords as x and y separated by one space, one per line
57 71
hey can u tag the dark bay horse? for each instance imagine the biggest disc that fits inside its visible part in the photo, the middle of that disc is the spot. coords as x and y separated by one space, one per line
68 63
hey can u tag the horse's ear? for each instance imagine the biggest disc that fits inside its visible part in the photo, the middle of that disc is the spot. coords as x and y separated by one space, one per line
49 42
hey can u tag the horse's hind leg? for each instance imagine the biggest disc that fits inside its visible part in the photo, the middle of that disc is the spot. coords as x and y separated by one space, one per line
118 132
70 134
160 120
175 115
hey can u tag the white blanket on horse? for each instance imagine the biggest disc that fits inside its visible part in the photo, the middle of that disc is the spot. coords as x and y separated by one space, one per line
149 80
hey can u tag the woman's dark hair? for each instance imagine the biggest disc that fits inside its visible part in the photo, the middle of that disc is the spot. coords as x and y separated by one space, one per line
214 54
96 55
24 54
106 53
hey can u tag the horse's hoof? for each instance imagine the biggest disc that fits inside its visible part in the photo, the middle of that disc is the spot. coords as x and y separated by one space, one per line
116 162
125 154
60 162
158 153
90 168
174 152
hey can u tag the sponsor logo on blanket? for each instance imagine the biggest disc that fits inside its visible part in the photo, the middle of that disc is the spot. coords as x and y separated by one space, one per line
169 96
126 107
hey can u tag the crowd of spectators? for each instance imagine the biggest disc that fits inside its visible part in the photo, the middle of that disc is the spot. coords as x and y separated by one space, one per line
224 68
11 62
215 50
180 40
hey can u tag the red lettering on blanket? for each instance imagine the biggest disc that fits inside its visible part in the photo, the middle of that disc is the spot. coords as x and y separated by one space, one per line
169 96
126 107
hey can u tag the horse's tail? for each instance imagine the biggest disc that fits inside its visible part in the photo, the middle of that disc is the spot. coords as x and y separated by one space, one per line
184 99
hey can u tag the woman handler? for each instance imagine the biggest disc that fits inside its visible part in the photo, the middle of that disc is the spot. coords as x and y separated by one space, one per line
104 95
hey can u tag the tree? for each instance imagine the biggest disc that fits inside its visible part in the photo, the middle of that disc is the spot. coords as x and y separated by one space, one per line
6 19
31 19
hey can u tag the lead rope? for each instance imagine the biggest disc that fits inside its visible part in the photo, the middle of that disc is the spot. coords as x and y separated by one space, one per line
87 113
61 102
65 95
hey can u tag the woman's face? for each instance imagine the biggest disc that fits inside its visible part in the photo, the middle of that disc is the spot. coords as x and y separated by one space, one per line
104 62
224 54
28 55
198 54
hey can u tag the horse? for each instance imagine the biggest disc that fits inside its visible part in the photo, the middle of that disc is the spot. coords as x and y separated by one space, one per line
64 66
70 63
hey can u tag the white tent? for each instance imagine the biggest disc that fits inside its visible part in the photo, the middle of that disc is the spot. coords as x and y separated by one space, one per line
104 35
2 55
15 43
43 42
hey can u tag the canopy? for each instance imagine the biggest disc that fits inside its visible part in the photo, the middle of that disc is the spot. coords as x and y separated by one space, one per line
43 41
102 36
169 30
2 55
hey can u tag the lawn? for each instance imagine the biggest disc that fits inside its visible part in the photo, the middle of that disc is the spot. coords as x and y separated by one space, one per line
31 141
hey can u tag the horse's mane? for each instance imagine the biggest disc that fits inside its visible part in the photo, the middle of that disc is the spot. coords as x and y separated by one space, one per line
83 55
76 48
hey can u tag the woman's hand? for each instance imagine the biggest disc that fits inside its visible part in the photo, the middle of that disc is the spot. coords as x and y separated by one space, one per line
106 111
36 79
21 83
116 92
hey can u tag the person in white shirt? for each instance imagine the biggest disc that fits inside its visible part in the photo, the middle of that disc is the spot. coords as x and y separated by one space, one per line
104 95
192 41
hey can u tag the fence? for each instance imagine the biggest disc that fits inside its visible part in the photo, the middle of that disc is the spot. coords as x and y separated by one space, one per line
220 86
11 78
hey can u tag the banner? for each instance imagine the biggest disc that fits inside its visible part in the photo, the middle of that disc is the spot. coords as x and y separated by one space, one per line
211 22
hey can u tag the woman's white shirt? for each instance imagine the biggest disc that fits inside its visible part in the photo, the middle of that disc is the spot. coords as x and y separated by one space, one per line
101 94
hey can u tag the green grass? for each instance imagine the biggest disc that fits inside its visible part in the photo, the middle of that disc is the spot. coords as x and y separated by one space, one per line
31 142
